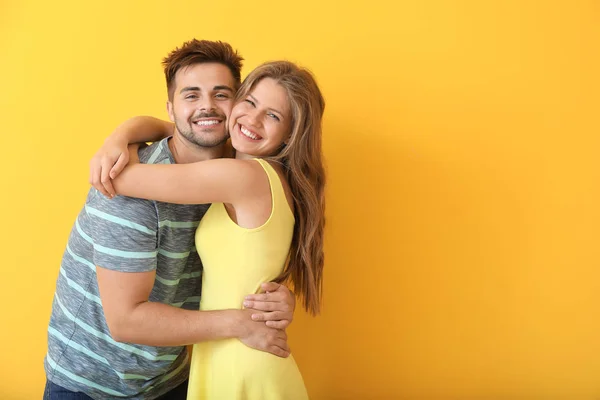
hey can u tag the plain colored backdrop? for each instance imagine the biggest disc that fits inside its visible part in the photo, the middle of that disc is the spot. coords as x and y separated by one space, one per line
463 201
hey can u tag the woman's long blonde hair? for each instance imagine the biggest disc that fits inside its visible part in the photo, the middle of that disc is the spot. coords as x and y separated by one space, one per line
302 159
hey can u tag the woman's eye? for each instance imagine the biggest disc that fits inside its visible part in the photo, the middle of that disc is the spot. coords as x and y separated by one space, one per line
273 116
249 102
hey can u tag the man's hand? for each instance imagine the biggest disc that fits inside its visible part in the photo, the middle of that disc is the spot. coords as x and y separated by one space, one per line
277 304
260 337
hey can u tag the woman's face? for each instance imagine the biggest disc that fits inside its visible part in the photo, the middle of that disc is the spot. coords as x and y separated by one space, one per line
261 121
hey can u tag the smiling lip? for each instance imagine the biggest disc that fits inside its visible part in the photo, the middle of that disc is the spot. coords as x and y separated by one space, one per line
207 122
248 134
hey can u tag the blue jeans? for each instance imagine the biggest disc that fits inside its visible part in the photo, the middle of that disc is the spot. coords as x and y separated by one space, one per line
55 392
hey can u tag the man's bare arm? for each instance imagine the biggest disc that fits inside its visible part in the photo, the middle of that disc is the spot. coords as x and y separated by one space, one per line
132 318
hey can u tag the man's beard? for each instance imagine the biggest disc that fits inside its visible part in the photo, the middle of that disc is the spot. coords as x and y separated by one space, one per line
187 131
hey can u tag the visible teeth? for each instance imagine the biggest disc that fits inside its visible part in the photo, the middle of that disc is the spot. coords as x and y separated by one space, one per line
207 123
249 134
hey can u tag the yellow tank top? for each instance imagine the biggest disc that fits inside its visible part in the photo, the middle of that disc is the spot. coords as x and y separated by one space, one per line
237 260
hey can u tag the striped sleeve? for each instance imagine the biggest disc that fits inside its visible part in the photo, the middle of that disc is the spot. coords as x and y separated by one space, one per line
123 232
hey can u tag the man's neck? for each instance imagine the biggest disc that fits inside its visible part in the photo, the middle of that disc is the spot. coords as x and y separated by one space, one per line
185 152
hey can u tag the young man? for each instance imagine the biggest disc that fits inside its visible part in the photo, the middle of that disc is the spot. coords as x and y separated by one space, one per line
127 296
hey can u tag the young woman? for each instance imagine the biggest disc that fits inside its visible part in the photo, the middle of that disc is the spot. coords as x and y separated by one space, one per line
265 223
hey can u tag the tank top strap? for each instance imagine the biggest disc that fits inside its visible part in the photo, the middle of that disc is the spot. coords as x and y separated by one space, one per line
280 203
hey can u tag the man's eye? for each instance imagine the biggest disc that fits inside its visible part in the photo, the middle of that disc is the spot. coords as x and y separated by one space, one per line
221 96
191 96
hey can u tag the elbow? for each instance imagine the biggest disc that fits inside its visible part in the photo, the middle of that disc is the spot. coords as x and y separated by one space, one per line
119 336
120 330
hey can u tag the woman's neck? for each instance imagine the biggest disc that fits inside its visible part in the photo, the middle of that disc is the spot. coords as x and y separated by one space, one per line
244 156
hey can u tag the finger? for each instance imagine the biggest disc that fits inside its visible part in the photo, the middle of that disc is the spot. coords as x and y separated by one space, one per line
109 188
95 181
256 297
282 324
270 306
102 190
270 286
269 316
104 178
265 305
282 344
119 165
273 296
92 169
278 352
280 348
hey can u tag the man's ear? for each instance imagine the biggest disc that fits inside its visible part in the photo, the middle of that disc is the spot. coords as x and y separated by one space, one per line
170 111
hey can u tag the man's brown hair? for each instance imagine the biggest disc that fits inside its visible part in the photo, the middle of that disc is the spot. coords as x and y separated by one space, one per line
201 51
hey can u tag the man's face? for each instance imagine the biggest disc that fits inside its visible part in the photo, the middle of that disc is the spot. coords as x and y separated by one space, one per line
202 101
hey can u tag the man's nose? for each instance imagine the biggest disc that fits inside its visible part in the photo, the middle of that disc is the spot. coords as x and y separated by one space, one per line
207 104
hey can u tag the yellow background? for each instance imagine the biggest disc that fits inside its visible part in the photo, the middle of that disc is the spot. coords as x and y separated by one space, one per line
462 142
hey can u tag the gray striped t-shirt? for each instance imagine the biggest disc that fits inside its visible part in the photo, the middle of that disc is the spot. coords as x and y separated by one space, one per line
129 235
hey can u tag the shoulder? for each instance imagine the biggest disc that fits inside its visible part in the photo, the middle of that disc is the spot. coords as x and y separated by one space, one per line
283 179
244 179
156 153
253 172
278 168
129 208
123 231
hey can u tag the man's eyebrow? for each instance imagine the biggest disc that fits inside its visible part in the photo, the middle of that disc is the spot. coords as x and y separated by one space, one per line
197 89
223 87
190 89
270 108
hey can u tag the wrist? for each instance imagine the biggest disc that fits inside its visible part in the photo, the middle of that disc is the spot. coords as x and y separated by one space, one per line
117 138
236 321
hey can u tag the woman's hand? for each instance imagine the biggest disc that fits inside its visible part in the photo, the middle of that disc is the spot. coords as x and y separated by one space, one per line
108 163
